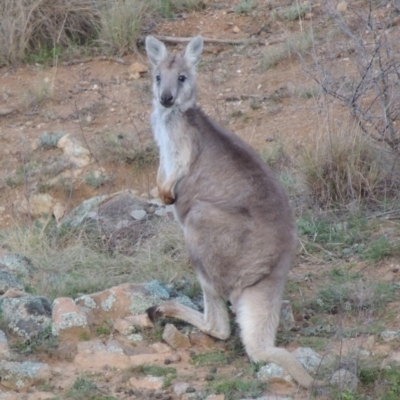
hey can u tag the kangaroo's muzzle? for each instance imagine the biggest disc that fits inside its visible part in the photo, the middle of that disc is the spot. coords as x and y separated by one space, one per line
166 99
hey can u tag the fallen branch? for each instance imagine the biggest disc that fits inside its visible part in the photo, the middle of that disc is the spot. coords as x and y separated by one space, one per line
175 40
101 58
6 111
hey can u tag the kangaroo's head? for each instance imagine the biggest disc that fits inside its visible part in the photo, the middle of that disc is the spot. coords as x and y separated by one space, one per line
174 74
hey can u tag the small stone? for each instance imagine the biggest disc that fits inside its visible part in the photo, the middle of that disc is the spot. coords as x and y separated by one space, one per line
389 336
154 192
342 6
180 388
213 370
236 29
4 348
175 338
148 382
138 214
209 377
138 68
160 348
308 358
9 281
69 321
22 375
95 355
38 205
274 373
173 358
218 397
190 389
141 359
344 379
287 321
58 211
200 339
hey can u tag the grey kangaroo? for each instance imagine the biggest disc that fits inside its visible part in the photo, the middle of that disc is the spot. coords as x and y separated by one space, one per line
235 216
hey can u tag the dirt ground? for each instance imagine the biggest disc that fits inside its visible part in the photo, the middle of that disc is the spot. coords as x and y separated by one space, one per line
94 99
103 101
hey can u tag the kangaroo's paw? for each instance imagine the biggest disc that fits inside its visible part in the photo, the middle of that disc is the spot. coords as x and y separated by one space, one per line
167 197
154 313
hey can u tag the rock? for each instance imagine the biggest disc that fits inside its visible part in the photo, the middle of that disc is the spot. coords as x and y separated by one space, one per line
235 29
123 326
6 111
69 321
344 380
308 358
216 397
200 339
174 338
274 373
75 152
38 205
12 293
95 355
4 348
140 359
120 301
273 397
180 388
21 375
58 212
148 382
138 214
83 212
138 68
16 263
41 396
389 336
26 316
287 321
141 320
173 358
8 281
341 6
160 348
154 192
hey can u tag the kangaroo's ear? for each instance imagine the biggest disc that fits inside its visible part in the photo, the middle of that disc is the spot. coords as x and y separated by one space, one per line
193 50
156 50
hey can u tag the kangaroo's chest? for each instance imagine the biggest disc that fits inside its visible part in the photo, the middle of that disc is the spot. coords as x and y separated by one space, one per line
171 138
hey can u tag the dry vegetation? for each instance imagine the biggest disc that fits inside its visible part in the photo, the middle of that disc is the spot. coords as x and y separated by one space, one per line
344 185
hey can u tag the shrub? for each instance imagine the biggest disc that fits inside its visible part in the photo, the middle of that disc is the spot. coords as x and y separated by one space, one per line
345 167
120 24
28 25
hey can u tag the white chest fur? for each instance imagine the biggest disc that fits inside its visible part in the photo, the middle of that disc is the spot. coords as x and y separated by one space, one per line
171 137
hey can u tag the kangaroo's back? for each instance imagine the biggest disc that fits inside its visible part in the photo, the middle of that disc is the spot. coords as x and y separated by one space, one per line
235 216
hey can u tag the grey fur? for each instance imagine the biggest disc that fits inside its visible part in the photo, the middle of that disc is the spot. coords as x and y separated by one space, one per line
235 216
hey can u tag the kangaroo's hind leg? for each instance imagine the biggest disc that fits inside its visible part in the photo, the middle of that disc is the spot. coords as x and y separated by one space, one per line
257 313
214 321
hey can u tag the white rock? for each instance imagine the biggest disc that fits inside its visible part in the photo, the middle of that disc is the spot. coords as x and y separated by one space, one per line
344 379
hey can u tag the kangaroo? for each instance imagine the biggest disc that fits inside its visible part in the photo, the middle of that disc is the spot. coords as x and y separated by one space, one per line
234 214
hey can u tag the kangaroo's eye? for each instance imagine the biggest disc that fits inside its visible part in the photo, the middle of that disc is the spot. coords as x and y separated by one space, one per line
182 78
158 78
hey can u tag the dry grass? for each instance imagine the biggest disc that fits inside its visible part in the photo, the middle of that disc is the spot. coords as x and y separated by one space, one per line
344 167
28 25
46 26
120 24
72 262
294 44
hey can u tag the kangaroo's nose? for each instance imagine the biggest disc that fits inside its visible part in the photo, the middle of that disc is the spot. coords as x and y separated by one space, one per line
167 100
